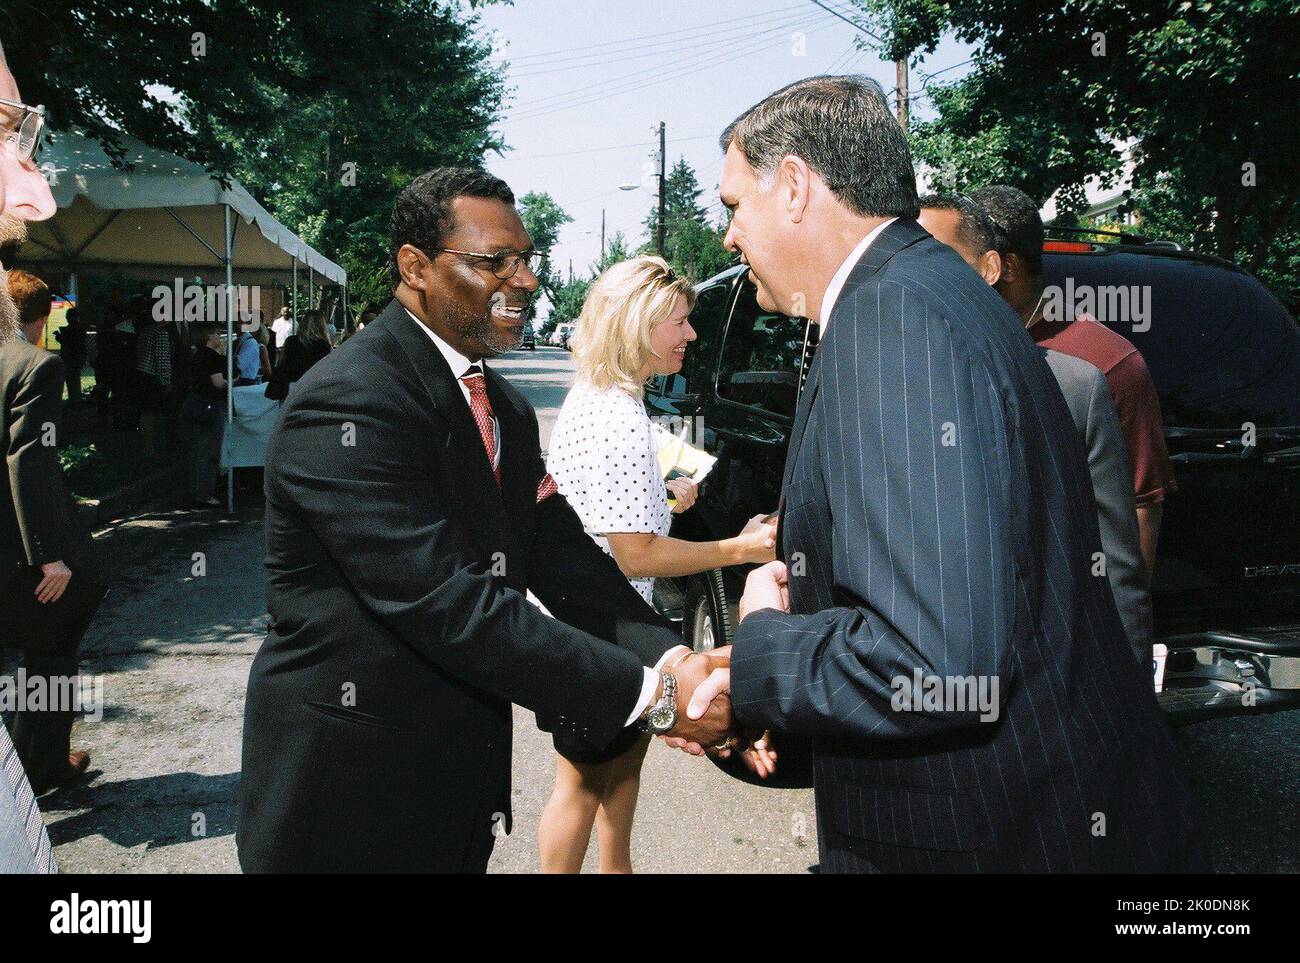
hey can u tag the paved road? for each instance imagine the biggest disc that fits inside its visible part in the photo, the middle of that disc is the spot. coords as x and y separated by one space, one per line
174 641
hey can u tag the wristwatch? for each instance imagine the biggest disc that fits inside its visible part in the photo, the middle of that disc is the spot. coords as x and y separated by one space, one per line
663 714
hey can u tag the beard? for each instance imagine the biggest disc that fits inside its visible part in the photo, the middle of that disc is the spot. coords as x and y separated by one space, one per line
479 330
12 232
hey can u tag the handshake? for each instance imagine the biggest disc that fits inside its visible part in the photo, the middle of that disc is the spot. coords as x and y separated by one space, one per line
705 724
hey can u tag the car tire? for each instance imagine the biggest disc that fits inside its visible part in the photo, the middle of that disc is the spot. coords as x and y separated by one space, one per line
708 623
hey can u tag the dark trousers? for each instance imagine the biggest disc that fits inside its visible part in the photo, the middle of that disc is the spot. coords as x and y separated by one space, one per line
205 456
49 637
73 372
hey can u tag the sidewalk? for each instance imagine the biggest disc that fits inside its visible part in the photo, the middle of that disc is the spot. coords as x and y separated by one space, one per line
173 648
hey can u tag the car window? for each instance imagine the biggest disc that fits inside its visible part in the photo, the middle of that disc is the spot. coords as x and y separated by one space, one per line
760 357
707 319
1221 349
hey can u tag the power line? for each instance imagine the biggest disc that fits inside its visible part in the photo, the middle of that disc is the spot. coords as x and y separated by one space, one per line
532 112
732 43
854 24
635 41
622 56
593 150
926 78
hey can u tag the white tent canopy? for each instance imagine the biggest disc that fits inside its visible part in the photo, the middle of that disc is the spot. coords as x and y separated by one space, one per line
163 212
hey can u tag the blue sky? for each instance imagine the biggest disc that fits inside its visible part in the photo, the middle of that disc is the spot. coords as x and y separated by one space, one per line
591 79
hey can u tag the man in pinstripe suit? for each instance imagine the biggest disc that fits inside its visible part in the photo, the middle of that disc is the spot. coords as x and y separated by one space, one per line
932 620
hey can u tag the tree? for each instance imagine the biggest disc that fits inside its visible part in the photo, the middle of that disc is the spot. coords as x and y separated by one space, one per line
691 245
543 219
567 303
322 110
616 250
1208 92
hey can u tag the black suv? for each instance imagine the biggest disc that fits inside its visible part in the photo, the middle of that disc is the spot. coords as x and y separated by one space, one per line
1225 358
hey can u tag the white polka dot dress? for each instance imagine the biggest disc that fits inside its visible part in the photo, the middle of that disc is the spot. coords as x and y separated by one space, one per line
604 460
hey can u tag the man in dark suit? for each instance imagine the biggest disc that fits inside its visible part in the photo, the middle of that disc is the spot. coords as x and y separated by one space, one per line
49 584
407 513
963 225
933 621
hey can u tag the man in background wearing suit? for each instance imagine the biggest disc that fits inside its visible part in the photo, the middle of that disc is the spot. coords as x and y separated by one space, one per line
964 226
49 586
408 512
24 196
932 621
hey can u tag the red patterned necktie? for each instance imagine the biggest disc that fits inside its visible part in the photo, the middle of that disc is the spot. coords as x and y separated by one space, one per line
481 408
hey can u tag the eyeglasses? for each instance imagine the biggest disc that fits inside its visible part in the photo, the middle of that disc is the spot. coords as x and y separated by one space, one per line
23 141
505 265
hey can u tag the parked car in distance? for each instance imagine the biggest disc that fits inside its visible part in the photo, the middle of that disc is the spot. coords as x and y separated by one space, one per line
560 336
529 339
1225 358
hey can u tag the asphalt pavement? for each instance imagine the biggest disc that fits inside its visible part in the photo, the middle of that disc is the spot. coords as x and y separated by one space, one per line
173 643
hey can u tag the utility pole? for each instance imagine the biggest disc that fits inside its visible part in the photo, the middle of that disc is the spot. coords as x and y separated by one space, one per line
902 92
602 235
663 161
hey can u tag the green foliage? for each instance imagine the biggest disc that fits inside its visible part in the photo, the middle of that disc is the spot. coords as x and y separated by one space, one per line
568 302
74 457
616 250
1208 91
323 110
543 219
691 245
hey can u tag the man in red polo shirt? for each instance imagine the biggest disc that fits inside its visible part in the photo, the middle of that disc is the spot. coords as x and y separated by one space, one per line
1021 284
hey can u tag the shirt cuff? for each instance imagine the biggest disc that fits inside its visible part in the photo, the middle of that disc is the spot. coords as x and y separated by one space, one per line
651 683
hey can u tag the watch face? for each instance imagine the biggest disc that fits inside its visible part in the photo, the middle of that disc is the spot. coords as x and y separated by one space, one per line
661 720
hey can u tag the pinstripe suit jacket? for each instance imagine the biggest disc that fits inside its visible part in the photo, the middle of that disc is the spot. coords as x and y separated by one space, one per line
938 520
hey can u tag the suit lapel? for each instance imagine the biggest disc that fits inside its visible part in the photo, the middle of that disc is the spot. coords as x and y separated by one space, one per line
518 489
464 453
894 238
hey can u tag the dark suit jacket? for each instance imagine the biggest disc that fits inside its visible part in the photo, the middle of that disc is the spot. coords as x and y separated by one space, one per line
1092 408
937 517
378 723
37 514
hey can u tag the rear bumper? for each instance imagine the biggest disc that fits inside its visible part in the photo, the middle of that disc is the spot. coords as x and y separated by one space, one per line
1222 673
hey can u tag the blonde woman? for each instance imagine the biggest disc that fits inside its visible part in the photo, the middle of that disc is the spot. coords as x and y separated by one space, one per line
634 325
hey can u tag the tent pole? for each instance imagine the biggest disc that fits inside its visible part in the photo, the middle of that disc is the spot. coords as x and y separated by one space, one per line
294 326
230 358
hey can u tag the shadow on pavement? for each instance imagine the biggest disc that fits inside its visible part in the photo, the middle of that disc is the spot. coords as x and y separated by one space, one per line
157 810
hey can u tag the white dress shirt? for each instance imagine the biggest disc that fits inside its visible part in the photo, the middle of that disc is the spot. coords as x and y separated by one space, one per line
459 364
841 276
